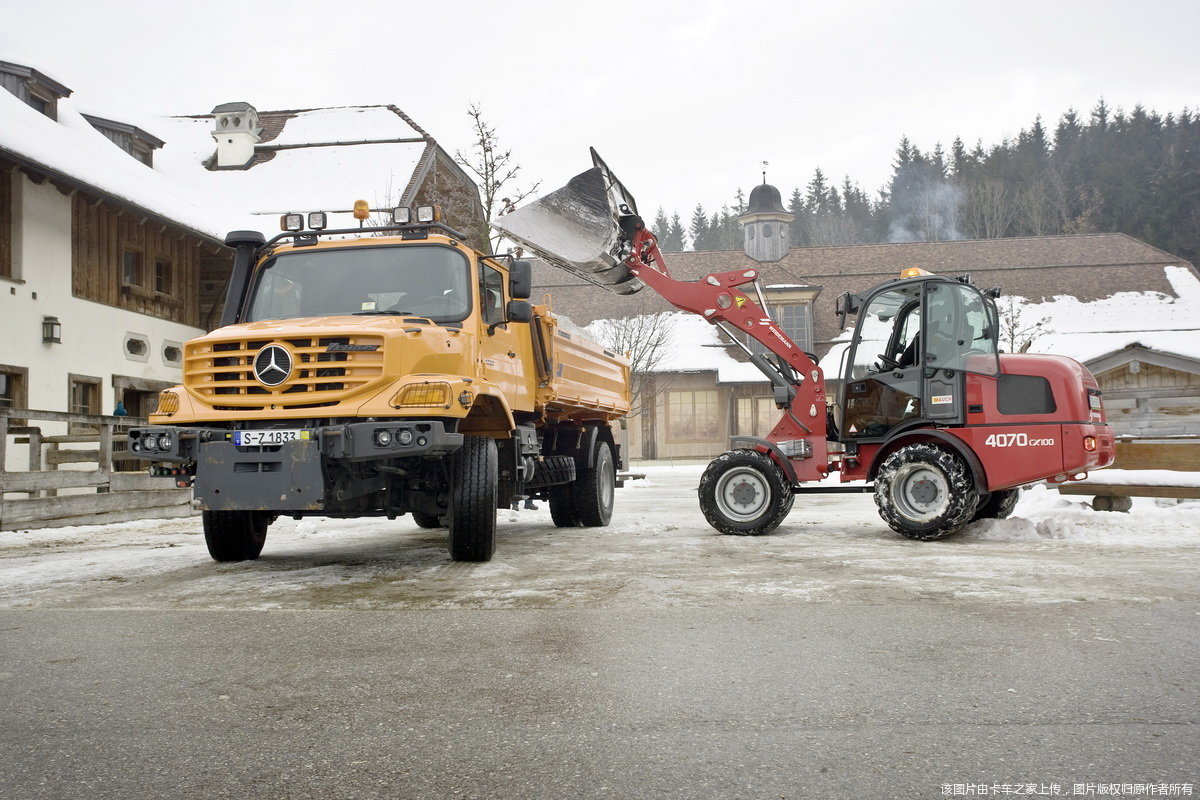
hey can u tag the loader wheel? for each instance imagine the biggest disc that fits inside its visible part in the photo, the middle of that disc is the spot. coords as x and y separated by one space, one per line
424 520
562 505
998 505
744 493
594 488
235 535
472 511
925 492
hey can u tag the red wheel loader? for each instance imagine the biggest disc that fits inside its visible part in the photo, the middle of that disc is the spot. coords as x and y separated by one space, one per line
946 428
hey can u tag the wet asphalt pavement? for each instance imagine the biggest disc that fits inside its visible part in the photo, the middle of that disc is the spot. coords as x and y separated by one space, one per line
779 700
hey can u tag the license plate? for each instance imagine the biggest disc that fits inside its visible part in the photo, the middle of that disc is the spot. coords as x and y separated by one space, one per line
259 438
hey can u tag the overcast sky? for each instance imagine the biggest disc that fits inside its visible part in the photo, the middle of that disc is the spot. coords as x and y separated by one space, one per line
683 99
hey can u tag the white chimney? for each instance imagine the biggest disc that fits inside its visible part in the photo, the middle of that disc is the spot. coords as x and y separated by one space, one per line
236 130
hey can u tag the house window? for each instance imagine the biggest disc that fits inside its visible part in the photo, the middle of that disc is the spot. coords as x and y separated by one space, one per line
756 416
162 276
693 416
796 321
131 268
83 398
12 386
142 153
41 104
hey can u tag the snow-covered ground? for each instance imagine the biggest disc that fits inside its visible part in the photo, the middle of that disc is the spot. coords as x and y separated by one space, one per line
658 552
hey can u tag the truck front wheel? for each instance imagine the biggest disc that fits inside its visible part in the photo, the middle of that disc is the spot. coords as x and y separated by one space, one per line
472 512
925 492
744 493
235 535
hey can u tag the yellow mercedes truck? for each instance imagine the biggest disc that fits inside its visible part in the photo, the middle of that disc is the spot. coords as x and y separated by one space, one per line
381 371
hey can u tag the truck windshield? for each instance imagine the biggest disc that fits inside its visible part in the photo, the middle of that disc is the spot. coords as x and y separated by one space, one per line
412 280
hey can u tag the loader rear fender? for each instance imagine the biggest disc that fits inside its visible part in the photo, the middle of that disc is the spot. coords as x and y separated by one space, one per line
932 436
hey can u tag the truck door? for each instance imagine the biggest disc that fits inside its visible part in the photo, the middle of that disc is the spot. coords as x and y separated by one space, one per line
505 352
959 336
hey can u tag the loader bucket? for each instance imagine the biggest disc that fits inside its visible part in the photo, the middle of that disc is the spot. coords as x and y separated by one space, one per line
575 228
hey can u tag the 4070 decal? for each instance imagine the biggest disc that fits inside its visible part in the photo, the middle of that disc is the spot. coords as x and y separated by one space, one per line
1016 440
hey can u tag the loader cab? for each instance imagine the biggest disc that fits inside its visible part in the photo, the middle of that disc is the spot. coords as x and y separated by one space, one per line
914 342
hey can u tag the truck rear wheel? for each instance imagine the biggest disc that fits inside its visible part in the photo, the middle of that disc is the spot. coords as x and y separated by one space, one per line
472 512
594 488
235 535
925 492
744 493
998 505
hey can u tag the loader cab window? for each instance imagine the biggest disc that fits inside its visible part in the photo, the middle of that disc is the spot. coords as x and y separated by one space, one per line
912 345
412 281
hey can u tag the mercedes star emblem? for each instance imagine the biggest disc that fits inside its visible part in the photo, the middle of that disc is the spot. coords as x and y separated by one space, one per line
272 365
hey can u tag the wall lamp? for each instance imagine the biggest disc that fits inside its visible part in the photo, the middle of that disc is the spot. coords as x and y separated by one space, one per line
51 330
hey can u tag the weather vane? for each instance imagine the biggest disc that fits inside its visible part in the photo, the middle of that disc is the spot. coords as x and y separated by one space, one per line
764 172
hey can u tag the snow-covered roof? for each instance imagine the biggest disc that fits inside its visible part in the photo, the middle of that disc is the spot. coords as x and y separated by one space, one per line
318 159
312 178
695 346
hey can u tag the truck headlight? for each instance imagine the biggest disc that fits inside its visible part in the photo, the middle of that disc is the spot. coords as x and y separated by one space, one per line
383 438
405 438
150 442
166 441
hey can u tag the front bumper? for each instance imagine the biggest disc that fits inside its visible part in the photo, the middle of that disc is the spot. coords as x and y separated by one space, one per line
294 475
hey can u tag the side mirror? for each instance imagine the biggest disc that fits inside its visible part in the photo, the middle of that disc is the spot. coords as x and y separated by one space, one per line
520 280
520 311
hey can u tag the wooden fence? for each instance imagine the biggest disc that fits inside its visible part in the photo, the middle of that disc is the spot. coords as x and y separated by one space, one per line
42 495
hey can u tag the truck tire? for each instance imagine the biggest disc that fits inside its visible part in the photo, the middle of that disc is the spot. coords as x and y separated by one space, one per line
744 493
998 505
562 506
472 512
925 492
235 535
594 488
424 520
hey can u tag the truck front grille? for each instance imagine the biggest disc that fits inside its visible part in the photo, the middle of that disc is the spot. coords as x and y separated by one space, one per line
223 372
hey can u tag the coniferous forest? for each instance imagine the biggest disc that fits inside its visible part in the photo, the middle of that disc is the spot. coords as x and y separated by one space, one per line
1134 172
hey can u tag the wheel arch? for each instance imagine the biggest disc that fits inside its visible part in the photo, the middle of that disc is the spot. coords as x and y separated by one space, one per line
490 415
935 436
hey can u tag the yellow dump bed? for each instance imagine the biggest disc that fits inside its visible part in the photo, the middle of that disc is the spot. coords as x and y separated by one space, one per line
575 374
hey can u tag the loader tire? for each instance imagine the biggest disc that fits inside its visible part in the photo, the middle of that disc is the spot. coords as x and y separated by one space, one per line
925 492
424 520
744 493
472 512
593 490
998 505
235 535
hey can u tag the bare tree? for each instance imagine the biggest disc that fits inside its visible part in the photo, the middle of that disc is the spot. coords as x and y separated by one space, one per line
1018 329
645 339
493 166
990 209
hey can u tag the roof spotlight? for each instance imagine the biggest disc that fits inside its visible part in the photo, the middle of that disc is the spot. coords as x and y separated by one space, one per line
401 215
317 220
291 222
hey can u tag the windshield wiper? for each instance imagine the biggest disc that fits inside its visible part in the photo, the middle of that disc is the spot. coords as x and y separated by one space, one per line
385 312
